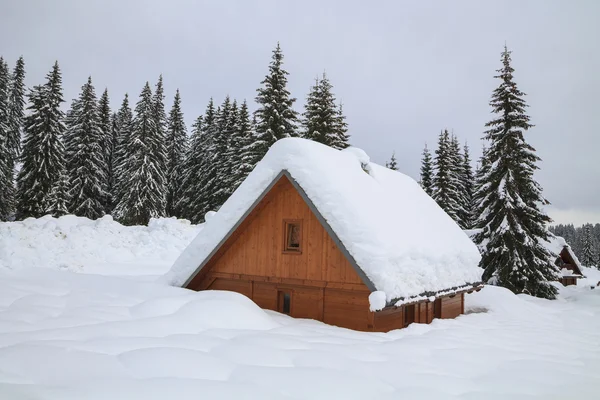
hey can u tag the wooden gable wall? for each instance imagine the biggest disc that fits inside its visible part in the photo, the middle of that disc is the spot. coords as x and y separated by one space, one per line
256 248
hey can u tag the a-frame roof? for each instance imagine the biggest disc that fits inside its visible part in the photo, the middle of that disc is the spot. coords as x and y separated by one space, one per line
395 236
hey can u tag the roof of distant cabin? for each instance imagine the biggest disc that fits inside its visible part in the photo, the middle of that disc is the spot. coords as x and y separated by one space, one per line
398 237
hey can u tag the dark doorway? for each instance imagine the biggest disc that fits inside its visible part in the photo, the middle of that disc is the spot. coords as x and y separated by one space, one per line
409 315
437 308
284 301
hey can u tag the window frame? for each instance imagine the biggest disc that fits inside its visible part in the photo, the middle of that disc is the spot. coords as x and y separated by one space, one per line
286 248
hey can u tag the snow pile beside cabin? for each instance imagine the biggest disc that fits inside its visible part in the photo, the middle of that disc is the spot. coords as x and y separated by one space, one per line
102 246
403 241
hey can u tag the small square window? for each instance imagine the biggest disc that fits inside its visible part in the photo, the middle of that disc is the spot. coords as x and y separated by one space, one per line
293 236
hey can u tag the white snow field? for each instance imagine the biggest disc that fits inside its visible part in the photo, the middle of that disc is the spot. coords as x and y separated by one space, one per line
69 335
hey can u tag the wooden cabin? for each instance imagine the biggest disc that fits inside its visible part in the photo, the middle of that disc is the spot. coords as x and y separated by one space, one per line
282 251
567 262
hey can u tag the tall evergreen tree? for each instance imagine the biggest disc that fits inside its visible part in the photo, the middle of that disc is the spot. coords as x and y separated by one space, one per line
427 174
195 199
468 186
176 151
43 152
392 164
12 94
58 203
145 174
6 155
106 127
245 140
512 221
123 125
86 157
16 108
216 189
323 121
445 191
457 174
186 202
276 119
588 247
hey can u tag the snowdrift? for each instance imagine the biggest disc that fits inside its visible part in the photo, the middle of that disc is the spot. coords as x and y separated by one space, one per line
102 246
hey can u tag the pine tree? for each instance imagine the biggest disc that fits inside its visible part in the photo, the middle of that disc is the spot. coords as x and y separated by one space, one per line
588 248
457 175
106 127
392 164
6 156
468 186
195 199
512 221
276 119
59 196
12 103
322 119
445 191
43 153
191 172
85 156
16 108
342 139
144 175
216 191
426 180
244 142
176 151
123 125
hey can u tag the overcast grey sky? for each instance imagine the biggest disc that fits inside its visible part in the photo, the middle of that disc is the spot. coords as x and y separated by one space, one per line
403 69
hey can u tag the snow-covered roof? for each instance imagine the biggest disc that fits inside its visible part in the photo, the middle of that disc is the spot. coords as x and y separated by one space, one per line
405 244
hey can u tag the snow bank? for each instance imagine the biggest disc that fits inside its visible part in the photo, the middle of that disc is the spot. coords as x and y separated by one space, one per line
102 246
403 241
68 336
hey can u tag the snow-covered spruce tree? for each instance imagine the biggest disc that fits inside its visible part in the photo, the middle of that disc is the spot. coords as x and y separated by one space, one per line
457 176
191 172
106 127
160 149
513 225
426 177
445 191
16 108
58 203
588 246
144 176
215 175
43 153
195 199
275 117
176 151
322 119
123 126
392 164
245 140
468 186
6 155
85 157
342 139
234 150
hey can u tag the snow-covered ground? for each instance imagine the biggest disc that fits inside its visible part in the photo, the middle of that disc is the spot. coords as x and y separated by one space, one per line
67 335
